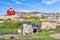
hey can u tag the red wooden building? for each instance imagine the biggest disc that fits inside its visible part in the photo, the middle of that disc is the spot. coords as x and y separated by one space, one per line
10 12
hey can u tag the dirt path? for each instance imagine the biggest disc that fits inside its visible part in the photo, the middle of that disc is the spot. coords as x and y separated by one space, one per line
15 36
56 35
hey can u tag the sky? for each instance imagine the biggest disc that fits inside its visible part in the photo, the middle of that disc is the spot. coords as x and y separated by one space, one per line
49 6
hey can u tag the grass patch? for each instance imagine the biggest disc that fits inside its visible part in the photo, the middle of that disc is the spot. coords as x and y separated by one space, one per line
44 35
8 31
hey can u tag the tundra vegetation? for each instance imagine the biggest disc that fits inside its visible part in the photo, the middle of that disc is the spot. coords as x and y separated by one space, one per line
10 27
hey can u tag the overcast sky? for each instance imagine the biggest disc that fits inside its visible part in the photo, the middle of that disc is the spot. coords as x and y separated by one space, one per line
52 6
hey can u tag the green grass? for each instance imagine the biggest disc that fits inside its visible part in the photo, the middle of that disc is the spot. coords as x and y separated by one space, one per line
8 31
44 35
11 27
47 32
40 38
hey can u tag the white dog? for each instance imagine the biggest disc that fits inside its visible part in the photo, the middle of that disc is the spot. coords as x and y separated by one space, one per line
19 31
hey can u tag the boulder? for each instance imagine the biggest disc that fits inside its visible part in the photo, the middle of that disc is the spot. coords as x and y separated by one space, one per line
48 25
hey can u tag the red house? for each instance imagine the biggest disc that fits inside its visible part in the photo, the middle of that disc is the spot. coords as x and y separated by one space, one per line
10 12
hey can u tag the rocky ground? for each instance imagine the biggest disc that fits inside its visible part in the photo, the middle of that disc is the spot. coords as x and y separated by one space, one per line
11 36
56 35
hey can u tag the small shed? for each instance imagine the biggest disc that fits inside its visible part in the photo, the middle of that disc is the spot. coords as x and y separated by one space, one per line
30 28
10 12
